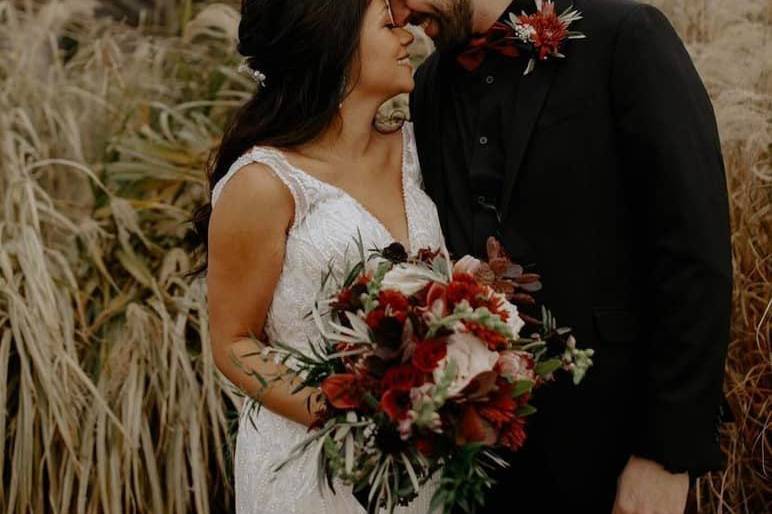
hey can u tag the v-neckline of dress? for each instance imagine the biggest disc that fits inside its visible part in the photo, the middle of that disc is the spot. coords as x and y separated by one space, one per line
360 205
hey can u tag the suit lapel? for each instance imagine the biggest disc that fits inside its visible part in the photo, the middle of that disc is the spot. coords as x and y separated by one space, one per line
530 99
532 93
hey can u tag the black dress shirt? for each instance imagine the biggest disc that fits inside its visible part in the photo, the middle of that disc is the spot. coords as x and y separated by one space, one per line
480 117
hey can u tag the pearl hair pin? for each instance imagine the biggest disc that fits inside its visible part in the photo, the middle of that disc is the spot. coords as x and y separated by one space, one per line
256 75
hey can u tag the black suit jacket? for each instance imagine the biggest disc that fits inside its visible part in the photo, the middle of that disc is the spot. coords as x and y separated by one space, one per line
615 190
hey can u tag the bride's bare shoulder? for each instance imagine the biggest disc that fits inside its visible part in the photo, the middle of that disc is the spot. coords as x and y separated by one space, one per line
254 200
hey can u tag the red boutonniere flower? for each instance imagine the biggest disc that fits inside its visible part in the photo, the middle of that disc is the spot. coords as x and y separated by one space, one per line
543 33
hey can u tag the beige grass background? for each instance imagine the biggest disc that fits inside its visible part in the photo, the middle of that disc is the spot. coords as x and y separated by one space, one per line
109 400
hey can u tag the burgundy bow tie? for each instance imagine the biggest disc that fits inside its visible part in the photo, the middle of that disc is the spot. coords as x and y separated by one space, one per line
499 39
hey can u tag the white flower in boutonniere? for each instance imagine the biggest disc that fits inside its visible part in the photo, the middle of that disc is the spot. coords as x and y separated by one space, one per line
543 33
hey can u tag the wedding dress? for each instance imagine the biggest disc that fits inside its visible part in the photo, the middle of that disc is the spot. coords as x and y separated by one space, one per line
326 223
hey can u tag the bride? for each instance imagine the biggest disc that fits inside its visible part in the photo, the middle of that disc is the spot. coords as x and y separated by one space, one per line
300 172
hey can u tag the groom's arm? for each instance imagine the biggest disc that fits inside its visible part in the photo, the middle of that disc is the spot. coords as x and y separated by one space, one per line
668 141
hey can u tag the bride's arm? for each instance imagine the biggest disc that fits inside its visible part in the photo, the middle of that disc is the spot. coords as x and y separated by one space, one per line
247 237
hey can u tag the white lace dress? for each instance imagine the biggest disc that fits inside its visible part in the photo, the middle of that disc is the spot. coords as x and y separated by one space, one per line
326 222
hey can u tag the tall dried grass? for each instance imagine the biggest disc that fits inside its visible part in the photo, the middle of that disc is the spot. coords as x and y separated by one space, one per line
110 398
110 401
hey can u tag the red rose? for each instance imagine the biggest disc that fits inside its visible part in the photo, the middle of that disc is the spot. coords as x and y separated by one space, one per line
428 354
349 299
374 318
463 287
402 378
395 304
388 319
344 297
396 404
342 391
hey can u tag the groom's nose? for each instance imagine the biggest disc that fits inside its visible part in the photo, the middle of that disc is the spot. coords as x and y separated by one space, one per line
401 11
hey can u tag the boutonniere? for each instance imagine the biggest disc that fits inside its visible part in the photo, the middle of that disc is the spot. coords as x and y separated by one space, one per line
543 33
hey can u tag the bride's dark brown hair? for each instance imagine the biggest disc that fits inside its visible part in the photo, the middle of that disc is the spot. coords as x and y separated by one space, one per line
305 48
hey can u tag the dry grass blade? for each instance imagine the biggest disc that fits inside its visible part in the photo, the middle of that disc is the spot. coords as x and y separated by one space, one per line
112 403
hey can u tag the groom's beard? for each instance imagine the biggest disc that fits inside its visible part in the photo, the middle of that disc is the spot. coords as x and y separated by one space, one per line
454 21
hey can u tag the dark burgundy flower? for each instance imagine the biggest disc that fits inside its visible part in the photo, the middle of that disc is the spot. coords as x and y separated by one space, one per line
396 404
403 378
395 253
374 366
428 354
425 445
387 321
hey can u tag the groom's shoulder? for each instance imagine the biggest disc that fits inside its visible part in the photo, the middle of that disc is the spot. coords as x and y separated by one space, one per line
609 16
605 10
614 26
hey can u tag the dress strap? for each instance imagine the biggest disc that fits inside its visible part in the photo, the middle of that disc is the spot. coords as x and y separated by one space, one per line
274 160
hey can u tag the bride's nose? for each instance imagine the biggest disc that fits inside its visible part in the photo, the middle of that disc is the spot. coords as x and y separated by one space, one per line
405 36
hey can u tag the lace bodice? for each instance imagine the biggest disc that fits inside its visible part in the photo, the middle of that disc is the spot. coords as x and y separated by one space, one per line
323 233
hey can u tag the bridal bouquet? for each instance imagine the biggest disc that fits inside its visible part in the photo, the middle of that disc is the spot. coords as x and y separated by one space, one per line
424 370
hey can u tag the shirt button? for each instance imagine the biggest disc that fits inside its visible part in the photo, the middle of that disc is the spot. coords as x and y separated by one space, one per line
490 80
483 140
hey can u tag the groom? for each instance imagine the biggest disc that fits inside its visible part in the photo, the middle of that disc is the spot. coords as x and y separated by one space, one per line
604 171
